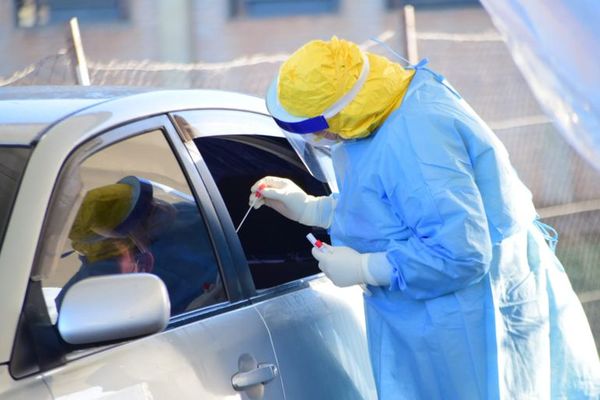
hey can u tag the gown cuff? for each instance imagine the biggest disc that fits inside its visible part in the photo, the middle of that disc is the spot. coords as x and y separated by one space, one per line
378 271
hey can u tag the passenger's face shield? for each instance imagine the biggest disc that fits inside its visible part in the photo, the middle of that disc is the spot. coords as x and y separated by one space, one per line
163 212
168 194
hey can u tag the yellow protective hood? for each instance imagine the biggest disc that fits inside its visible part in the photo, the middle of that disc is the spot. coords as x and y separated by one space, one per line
321 72
102 210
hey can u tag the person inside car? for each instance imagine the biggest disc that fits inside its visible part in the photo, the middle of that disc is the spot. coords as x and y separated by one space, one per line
126 228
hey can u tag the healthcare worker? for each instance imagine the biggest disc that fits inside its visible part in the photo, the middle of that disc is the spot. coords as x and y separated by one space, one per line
136 225
467 299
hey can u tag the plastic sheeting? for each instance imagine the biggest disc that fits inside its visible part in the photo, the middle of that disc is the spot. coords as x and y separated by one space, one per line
556 45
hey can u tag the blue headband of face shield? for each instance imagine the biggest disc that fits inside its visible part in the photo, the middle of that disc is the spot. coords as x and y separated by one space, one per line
303 125
306 126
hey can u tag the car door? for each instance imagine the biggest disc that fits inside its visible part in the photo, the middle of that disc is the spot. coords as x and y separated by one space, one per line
317 329
215 338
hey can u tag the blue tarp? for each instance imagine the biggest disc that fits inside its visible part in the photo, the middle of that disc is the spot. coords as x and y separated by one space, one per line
556 45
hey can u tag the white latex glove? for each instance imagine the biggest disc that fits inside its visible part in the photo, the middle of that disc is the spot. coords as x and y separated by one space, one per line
285 197
343 265
346 266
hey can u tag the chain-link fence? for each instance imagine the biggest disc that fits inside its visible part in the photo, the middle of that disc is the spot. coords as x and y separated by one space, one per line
248 75
56 69
566 190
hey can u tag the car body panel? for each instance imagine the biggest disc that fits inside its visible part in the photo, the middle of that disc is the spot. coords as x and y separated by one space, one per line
319 338
172 364
24 389
27 113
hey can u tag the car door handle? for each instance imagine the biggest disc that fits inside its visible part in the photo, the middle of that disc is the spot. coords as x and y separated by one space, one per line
263 373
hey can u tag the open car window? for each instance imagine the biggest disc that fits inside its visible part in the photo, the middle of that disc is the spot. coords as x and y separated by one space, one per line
275 247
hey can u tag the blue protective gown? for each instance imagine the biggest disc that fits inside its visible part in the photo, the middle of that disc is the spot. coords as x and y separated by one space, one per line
479 307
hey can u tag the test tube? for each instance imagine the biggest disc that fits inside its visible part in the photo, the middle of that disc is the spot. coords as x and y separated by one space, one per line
319 245
315 242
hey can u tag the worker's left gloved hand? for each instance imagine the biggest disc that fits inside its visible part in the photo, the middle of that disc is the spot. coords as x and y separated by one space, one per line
343 265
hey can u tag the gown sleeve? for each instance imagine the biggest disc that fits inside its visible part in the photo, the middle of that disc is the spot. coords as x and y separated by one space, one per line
427 176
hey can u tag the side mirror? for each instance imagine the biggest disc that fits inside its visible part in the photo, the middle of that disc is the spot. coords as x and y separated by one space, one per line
113 307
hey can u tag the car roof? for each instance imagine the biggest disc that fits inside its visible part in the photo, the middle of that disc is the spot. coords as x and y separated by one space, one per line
27 112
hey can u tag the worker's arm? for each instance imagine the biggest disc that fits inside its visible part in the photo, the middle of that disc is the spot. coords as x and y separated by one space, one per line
287 198
428 178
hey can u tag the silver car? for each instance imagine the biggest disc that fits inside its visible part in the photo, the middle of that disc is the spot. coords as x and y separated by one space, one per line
208 313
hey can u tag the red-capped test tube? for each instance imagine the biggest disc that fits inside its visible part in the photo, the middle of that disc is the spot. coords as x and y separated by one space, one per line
315 242
257 195
319 245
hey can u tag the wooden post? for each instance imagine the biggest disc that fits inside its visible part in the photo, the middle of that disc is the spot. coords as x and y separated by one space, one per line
411 34
81 69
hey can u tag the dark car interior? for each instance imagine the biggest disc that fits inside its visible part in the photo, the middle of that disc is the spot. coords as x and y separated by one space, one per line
276 247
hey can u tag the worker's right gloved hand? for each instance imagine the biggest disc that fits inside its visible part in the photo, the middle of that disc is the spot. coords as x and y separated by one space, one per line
289 200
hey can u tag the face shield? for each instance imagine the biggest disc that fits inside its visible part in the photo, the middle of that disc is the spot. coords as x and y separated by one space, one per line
316 156
310 136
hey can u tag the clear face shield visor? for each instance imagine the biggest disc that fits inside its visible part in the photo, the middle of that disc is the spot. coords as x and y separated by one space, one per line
315 152
156 218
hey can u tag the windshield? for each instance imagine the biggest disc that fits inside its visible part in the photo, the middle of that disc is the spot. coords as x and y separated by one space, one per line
12 165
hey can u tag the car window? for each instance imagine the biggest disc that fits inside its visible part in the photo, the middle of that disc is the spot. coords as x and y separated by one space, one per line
128 208
12 165
276 248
